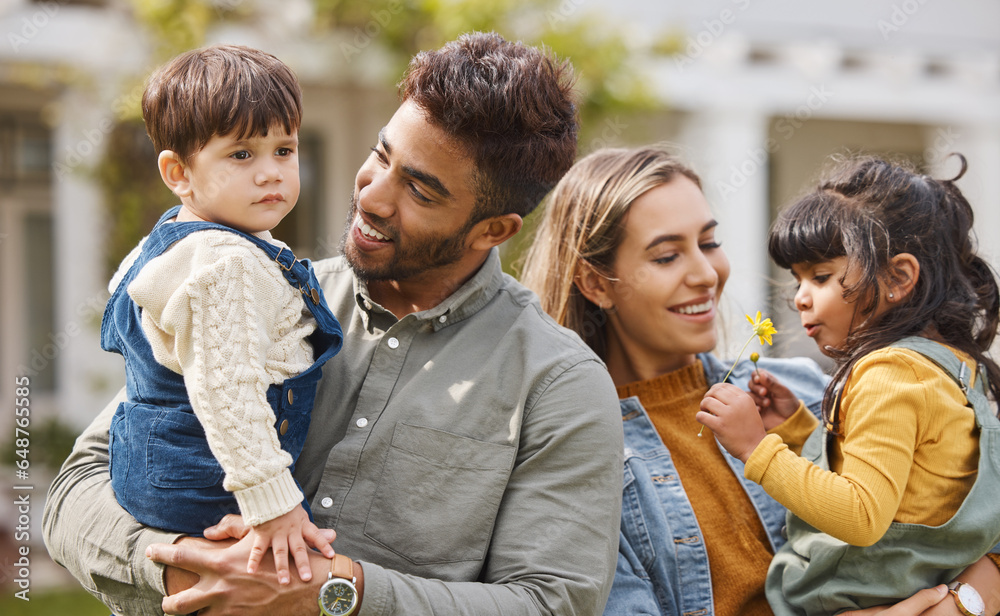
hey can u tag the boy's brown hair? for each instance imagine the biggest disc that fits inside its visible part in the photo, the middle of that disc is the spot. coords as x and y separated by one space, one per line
219 90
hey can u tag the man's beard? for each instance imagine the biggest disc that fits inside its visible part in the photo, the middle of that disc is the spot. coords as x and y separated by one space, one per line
420 255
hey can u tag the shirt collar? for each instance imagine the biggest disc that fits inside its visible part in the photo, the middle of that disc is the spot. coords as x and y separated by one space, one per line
460 305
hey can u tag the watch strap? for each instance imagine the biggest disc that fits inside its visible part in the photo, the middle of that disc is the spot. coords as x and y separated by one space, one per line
342 567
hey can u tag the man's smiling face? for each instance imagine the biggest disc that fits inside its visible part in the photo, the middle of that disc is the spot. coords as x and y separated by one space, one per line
412 201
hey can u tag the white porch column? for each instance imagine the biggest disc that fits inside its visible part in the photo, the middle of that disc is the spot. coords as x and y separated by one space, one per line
88 376
980 184
728 149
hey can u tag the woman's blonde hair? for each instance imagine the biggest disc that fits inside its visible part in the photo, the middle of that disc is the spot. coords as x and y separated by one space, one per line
583 222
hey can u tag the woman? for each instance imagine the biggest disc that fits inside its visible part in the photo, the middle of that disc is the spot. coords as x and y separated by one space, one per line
626 256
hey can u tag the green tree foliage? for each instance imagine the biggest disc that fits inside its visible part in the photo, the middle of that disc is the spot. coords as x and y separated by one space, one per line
608 81
175 26
133 191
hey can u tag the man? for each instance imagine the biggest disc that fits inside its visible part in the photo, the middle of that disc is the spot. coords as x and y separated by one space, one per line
466 450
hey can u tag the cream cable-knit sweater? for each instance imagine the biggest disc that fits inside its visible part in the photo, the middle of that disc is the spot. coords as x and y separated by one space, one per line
219 312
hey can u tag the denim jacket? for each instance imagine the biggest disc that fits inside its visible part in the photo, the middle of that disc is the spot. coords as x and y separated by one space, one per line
662 561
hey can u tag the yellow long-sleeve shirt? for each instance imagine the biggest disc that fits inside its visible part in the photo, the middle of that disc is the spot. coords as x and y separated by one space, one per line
908 452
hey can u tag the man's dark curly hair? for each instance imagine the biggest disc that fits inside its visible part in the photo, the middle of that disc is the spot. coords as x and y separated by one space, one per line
510 105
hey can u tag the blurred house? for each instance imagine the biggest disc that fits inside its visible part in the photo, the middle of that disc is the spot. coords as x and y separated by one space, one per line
68 72
757 97
762 92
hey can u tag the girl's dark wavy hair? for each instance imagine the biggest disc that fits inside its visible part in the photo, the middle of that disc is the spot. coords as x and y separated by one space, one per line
870 210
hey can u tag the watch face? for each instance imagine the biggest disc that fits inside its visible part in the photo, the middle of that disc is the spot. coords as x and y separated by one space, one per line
971 599
338 597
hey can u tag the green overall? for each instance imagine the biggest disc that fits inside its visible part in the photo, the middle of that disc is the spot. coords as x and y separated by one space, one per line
815 573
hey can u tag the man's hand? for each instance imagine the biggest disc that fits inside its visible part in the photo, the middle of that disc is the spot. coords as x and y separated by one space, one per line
221 584
927 602
731 414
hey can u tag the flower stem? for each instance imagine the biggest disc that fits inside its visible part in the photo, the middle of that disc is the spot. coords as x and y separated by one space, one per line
736 361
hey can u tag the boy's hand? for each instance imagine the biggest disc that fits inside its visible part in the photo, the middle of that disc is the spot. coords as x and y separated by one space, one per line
288 533
214 580
732 415
775 401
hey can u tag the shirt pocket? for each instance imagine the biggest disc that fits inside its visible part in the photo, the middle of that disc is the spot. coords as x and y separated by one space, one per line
438 496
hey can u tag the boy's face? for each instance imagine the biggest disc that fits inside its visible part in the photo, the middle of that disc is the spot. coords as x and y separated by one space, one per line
248 184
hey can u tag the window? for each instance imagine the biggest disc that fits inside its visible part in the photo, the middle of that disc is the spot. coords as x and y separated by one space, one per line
25 150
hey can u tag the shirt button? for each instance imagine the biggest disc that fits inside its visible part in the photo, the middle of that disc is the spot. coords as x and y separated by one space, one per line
361 423
283 428
290 396
326 502
368 305
393 343
442 319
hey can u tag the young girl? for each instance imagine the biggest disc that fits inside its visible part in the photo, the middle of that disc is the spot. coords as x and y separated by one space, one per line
898 490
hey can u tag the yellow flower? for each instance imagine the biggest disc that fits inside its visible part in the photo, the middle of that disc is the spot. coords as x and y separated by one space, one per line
762 329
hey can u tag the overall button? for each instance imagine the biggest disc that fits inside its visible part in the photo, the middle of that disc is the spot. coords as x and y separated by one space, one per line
283 428
361 423
327 502
393 343
291 398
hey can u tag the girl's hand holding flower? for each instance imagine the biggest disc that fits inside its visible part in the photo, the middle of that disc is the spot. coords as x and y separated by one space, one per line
732 415
763 330
775 401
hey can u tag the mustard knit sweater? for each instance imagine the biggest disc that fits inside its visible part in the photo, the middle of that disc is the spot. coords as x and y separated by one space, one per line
737 545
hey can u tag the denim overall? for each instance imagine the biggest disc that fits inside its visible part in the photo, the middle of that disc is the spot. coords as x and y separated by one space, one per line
162 469
817 574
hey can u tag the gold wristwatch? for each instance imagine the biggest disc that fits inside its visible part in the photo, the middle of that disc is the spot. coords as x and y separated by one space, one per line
338 596
968 599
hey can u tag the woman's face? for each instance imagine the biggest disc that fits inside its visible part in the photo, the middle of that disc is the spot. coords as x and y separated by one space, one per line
669 272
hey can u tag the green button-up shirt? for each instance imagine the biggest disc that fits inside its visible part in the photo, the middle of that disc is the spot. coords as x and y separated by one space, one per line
473 442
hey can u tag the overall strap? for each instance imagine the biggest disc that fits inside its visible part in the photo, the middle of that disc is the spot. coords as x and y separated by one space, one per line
959 371
165 235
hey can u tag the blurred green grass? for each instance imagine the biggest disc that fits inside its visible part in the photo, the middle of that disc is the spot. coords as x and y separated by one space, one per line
51 603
